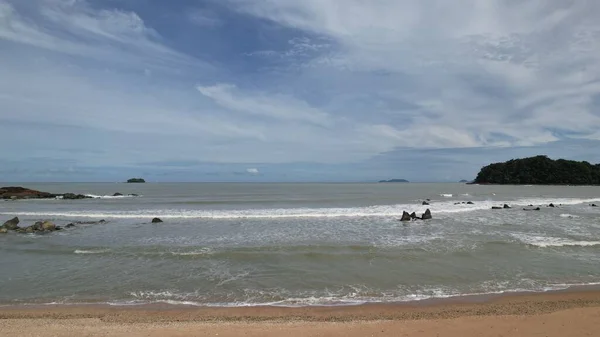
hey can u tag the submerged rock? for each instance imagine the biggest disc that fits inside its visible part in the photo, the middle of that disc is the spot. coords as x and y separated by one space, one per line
425 203
551 205
506 206
156 220
532 209
118 194
496 207
594 205
426 215
470 203
11 224
405 216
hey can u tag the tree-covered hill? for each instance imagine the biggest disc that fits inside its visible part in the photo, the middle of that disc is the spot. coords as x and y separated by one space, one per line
540 170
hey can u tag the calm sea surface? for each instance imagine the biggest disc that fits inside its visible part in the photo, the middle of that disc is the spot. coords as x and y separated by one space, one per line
297 244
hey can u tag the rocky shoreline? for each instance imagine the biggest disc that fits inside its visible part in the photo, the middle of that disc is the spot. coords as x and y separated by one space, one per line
22 193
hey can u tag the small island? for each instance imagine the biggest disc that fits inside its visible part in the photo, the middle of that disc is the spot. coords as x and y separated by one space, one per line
136 180
394 181
540 170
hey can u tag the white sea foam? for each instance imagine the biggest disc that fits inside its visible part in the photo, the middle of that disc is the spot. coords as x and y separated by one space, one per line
349 298
111 196
446 195
546 242
203 251
91 251
566 215
446 207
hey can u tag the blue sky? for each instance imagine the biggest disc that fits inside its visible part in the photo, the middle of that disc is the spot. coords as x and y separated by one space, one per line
286 90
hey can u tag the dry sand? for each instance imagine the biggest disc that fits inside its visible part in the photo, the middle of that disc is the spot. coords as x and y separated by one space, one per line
552 314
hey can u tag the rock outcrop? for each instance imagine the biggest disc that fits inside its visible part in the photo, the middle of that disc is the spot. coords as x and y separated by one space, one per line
73 196
425 203
15 193
506 206
156 220
426 215
405 216
11 224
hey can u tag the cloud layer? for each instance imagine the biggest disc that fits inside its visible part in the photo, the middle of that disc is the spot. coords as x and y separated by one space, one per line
281 82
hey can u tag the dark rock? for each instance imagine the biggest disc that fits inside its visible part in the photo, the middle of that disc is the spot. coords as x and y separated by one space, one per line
532 209
426 215
425 203
594 205
506 206
134 195
405 216
72 196
470 203
70 225
428 199
118 194
551 205
156 220
11 224
414 216
15 193
457 203
58 228
496 207
48 226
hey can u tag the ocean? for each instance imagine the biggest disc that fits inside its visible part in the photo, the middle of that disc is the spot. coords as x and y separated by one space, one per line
231 244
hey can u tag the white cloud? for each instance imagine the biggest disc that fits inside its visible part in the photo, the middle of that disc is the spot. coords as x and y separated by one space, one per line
275 106
500 73
253 171
204 18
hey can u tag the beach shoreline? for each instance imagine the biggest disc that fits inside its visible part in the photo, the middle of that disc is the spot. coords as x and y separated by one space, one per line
528 311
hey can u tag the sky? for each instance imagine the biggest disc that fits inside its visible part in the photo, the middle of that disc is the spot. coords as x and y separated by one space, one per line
288 90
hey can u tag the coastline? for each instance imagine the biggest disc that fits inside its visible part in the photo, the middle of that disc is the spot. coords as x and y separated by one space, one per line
529 311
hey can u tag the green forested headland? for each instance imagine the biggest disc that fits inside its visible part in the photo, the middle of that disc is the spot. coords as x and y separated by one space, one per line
540 170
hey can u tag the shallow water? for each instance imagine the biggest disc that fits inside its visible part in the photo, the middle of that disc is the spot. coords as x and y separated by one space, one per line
297 244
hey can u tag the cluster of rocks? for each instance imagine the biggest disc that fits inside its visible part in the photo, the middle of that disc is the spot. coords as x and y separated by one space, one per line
464 203
505 206
15 192
18 193
40 226
413 216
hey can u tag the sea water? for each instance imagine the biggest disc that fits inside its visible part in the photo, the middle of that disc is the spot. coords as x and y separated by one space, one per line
297 244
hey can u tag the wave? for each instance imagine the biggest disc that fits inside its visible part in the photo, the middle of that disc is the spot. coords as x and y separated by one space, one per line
446 195
347 296
566 215
547 242
91 251
112 196
446 207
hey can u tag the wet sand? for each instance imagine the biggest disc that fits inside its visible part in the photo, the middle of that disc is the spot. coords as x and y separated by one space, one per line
573 313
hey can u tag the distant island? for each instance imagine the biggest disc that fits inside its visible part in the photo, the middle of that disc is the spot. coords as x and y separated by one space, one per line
136 180
394 181
540 170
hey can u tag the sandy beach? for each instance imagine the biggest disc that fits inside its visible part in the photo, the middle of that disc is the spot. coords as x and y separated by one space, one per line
573 313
